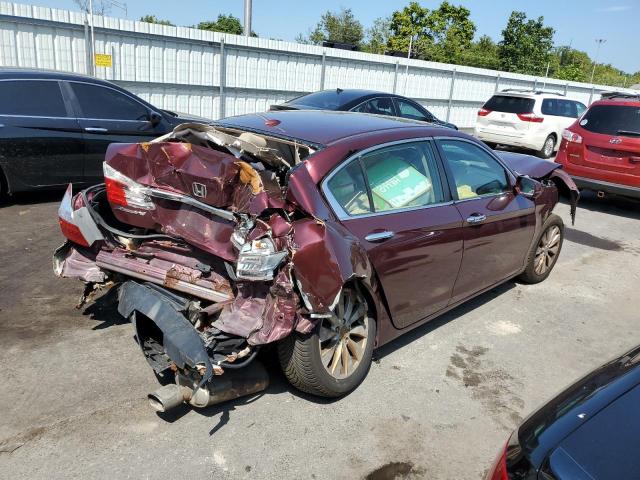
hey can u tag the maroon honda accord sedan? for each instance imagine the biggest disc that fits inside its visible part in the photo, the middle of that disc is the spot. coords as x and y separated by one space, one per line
325 233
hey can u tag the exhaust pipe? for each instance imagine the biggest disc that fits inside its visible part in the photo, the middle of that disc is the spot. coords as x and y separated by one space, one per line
600 194
231 385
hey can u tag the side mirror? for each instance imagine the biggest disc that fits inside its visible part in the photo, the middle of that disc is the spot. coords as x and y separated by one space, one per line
155 118
528 187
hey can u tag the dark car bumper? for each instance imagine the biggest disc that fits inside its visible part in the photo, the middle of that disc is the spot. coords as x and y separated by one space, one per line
608 187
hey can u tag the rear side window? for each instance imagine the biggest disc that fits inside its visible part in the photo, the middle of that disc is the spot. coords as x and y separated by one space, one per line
561 108
31 97
350 190
612 120
326 99
379 106
106 103
509 104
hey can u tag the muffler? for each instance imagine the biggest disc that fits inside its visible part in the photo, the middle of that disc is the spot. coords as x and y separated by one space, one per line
600 194
231 385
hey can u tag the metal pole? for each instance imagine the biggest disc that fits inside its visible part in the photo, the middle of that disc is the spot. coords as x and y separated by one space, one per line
247 18
87 46
223 75
453 81
497 83
406 70
93 40
395 76
544 84
323 68
599 41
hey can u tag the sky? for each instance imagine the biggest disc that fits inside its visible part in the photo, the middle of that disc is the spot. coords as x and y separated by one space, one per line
577 22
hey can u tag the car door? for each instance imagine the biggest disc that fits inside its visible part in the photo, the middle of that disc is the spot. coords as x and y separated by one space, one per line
40 141
498 224
107 115
393 199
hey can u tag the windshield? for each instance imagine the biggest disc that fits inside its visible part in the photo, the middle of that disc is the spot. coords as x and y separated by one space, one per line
612 120
326 100
509 104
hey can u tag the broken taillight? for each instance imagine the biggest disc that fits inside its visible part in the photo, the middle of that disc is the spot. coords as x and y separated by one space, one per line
123 191
65 218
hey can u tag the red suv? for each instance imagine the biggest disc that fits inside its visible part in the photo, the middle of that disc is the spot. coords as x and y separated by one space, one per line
601 150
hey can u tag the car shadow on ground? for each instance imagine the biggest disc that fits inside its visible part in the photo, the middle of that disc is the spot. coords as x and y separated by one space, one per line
31 198
610 204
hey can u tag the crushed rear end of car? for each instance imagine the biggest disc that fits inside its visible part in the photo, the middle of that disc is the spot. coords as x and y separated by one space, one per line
211 237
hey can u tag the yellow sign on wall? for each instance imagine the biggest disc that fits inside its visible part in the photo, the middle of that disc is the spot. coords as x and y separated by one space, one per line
104 60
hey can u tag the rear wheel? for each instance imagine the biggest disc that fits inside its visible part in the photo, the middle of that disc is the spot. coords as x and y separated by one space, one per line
548 147
333 359
545 251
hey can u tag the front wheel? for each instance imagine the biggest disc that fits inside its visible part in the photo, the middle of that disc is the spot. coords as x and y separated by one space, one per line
545 251
333 359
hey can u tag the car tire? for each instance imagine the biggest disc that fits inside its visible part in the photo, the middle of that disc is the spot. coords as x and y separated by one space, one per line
544 253
548 147
335 358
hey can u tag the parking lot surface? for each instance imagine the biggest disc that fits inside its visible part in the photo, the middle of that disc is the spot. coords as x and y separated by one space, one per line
438 403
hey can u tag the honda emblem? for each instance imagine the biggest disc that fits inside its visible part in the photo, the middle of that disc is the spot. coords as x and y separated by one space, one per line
199 189
615 140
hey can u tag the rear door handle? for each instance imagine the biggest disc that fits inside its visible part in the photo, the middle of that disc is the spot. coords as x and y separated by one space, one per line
379 236
95 130
634 159
476 218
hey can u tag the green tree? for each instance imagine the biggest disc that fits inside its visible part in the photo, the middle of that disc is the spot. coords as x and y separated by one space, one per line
412 22
377 36
340 27
154 19
526 45
225 24
440 35
482 54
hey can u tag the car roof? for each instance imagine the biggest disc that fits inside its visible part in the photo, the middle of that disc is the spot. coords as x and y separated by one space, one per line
40 74
628 102
529 93
323 127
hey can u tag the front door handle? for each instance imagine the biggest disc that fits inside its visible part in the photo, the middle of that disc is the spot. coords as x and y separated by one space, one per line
379 236
634 159
476 218
95 130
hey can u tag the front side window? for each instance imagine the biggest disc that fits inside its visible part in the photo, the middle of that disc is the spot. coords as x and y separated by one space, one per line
474 171
32 98
408 110
580 108
106 103
378 106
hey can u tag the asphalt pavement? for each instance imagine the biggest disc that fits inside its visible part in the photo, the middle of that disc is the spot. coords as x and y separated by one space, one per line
438 403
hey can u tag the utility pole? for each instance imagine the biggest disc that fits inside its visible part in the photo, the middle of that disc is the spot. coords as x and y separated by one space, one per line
599 41
247 18
406 71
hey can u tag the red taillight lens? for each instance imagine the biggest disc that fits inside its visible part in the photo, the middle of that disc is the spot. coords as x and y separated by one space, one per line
483 112
123 191
530 117
72 232
572 137
498 470
115 192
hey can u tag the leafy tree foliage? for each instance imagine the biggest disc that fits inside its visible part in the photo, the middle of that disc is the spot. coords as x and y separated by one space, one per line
377 36
526 45
341 27
154 19
225 24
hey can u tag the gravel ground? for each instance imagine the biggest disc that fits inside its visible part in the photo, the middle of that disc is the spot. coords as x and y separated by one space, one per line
437 404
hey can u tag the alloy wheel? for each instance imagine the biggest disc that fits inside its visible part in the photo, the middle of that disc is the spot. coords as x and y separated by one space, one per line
548 146
343 337
547 250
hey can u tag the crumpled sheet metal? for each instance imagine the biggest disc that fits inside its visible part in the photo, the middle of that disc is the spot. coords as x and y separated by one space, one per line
325 257
260 313
73 264
565 184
